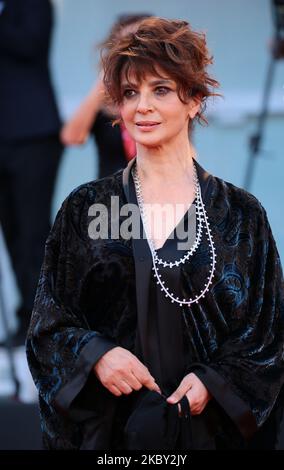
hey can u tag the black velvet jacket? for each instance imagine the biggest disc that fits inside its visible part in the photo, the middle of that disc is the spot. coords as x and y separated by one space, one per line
91 297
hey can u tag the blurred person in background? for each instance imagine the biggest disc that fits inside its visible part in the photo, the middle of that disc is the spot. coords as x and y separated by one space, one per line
94 117
30 148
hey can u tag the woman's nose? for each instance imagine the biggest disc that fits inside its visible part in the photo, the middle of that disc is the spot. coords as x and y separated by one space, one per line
144 103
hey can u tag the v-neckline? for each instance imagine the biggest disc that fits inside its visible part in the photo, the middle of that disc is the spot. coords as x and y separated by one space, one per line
172 234
206 185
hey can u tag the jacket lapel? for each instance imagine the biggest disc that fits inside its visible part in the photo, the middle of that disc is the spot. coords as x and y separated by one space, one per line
143 265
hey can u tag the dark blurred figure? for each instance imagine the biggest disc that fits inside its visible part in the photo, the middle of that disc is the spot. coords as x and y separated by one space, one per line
30 148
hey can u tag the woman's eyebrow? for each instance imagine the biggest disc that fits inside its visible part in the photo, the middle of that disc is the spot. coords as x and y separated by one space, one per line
160 82
151 83
128 84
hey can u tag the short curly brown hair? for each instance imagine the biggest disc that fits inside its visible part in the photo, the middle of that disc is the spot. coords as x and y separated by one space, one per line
168 45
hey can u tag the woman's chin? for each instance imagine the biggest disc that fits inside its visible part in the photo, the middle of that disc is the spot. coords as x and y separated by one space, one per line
149 141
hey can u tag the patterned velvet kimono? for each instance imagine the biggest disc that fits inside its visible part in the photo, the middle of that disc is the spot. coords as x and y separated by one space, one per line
92 296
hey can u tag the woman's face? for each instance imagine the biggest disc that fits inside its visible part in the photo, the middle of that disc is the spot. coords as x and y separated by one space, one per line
152 111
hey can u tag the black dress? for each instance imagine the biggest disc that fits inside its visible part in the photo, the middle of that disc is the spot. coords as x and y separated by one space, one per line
166 352
168 355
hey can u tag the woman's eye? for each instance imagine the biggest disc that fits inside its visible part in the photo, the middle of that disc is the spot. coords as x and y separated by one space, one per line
128 93
162 90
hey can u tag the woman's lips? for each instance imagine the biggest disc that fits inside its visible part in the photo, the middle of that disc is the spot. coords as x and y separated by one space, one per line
147 125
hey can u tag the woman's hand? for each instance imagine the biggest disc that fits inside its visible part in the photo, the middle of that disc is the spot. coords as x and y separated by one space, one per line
77 129
121 372
196 393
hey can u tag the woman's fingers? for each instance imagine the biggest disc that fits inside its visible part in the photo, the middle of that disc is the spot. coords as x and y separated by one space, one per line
129 383
197 401
124 387
149 382
180 391
114 390
121 369
144 377
133 381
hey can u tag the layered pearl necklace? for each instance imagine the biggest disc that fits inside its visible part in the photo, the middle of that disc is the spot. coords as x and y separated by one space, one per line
202 221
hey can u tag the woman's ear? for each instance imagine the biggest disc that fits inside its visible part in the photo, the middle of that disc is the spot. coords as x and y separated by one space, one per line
194 106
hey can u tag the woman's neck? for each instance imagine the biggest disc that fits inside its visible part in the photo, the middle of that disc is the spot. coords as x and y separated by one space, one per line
166 166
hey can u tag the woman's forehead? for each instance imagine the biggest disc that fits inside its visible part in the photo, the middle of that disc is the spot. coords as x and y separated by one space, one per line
137 75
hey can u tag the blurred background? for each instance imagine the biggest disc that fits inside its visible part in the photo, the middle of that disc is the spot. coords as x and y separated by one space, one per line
240 37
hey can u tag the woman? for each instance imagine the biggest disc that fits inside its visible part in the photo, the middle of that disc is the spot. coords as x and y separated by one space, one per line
127 331
93 117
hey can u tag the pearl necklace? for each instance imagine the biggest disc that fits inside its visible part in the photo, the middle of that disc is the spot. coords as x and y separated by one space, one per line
201 218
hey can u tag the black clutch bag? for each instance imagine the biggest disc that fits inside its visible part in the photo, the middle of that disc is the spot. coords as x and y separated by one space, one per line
154 424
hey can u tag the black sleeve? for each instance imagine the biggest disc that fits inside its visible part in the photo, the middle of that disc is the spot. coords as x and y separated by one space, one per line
80 376
61 347
246 373
235 407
